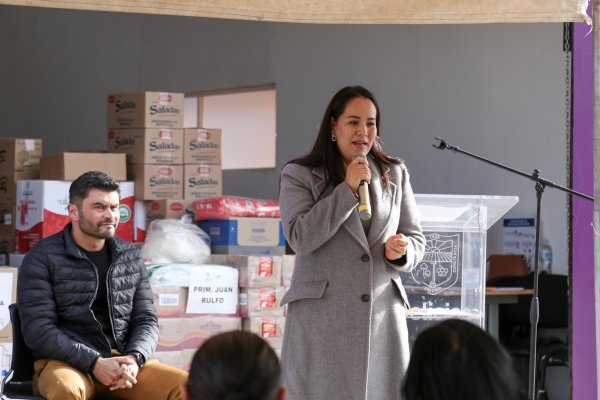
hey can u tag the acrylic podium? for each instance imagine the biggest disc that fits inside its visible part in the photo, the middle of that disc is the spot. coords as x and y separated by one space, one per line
450 280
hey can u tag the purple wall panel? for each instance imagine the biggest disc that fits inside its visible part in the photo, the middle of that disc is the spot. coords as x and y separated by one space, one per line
582 285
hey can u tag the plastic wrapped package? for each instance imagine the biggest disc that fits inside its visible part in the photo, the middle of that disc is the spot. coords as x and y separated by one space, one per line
175 241
175 274
234 206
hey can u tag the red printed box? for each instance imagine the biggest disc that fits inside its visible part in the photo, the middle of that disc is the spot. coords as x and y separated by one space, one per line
269 328
255 270
258 302
42 211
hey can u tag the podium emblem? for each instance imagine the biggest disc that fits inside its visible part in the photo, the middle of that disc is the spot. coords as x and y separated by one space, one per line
439 269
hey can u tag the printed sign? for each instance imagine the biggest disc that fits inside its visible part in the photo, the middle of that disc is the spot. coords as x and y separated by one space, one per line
519 237
213 290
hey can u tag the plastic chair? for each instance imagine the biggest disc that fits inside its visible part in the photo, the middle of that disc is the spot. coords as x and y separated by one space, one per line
18 381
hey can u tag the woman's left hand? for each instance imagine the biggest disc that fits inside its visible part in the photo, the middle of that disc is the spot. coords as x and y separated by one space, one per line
395 247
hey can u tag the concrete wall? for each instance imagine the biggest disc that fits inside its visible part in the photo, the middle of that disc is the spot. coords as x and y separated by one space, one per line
494 90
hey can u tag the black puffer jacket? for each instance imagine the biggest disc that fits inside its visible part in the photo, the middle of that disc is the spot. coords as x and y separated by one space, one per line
56 287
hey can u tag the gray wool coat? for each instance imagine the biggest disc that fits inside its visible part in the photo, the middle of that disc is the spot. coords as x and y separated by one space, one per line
345 335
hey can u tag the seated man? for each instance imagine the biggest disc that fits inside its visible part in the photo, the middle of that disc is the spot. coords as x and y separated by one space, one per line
86 307
235 365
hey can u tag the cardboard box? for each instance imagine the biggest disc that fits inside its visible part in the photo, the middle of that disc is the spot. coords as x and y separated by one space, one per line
170 334
140 223
8 245
69 166
202 181
255 270
8 295
166 208
156 182
176 334
20 154
245 235
269 328
8 183
7 217
170 301
126 227
261 302
148 146
202 146
199 329
42 211
145 110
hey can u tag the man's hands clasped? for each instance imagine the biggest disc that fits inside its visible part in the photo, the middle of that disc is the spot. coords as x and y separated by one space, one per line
116 372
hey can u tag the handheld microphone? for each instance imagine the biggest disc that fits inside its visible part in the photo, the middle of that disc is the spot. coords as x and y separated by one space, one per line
364 205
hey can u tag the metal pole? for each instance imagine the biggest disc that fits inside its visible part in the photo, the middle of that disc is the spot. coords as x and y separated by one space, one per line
596 220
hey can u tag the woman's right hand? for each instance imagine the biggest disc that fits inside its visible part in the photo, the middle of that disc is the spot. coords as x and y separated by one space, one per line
357 171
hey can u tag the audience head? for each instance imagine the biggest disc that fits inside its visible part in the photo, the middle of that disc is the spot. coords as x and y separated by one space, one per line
235 365
456 360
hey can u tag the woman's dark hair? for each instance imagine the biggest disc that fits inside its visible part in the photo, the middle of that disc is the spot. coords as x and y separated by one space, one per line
91 180
456 360
325 152
235 365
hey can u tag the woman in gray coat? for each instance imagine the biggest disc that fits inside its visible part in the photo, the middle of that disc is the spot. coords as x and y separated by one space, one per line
346 336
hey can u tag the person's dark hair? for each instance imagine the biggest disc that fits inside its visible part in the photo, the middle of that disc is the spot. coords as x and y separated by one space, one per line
325 152
91 180
235 365
457 360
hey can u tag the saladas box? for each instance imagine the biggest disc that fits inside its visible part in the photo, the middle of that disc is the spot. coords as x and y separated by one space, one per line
145 110
147 146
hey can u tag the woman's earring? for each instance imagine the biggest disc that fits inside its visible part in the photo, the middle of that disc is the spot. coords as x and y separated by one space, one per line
333 139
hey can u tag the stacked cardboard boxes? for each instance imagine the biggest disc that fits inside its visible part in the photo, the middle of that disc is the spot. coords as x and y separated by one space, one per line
263 282
188 316
202 176
171 167
148 128
202 157
19 159
41 204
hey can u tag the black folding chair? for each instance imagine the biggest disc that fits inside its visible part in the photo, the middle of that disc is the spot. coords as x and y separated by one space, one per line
18 381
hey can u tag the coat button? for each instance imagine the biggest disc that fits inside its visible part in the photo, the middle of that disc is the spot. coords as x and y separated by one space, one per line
365 297
365 258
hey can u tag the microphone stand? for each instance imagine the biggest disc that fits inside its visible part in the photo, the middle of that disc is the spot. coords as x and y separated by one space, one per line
540 185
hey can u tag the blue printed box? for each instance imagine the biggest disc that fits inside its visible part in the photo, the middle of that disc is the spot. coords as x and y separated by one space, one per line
245 235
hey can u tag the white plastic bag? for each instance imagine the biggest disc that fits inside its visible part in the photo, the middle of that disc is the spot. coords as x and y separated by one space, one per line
175 241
